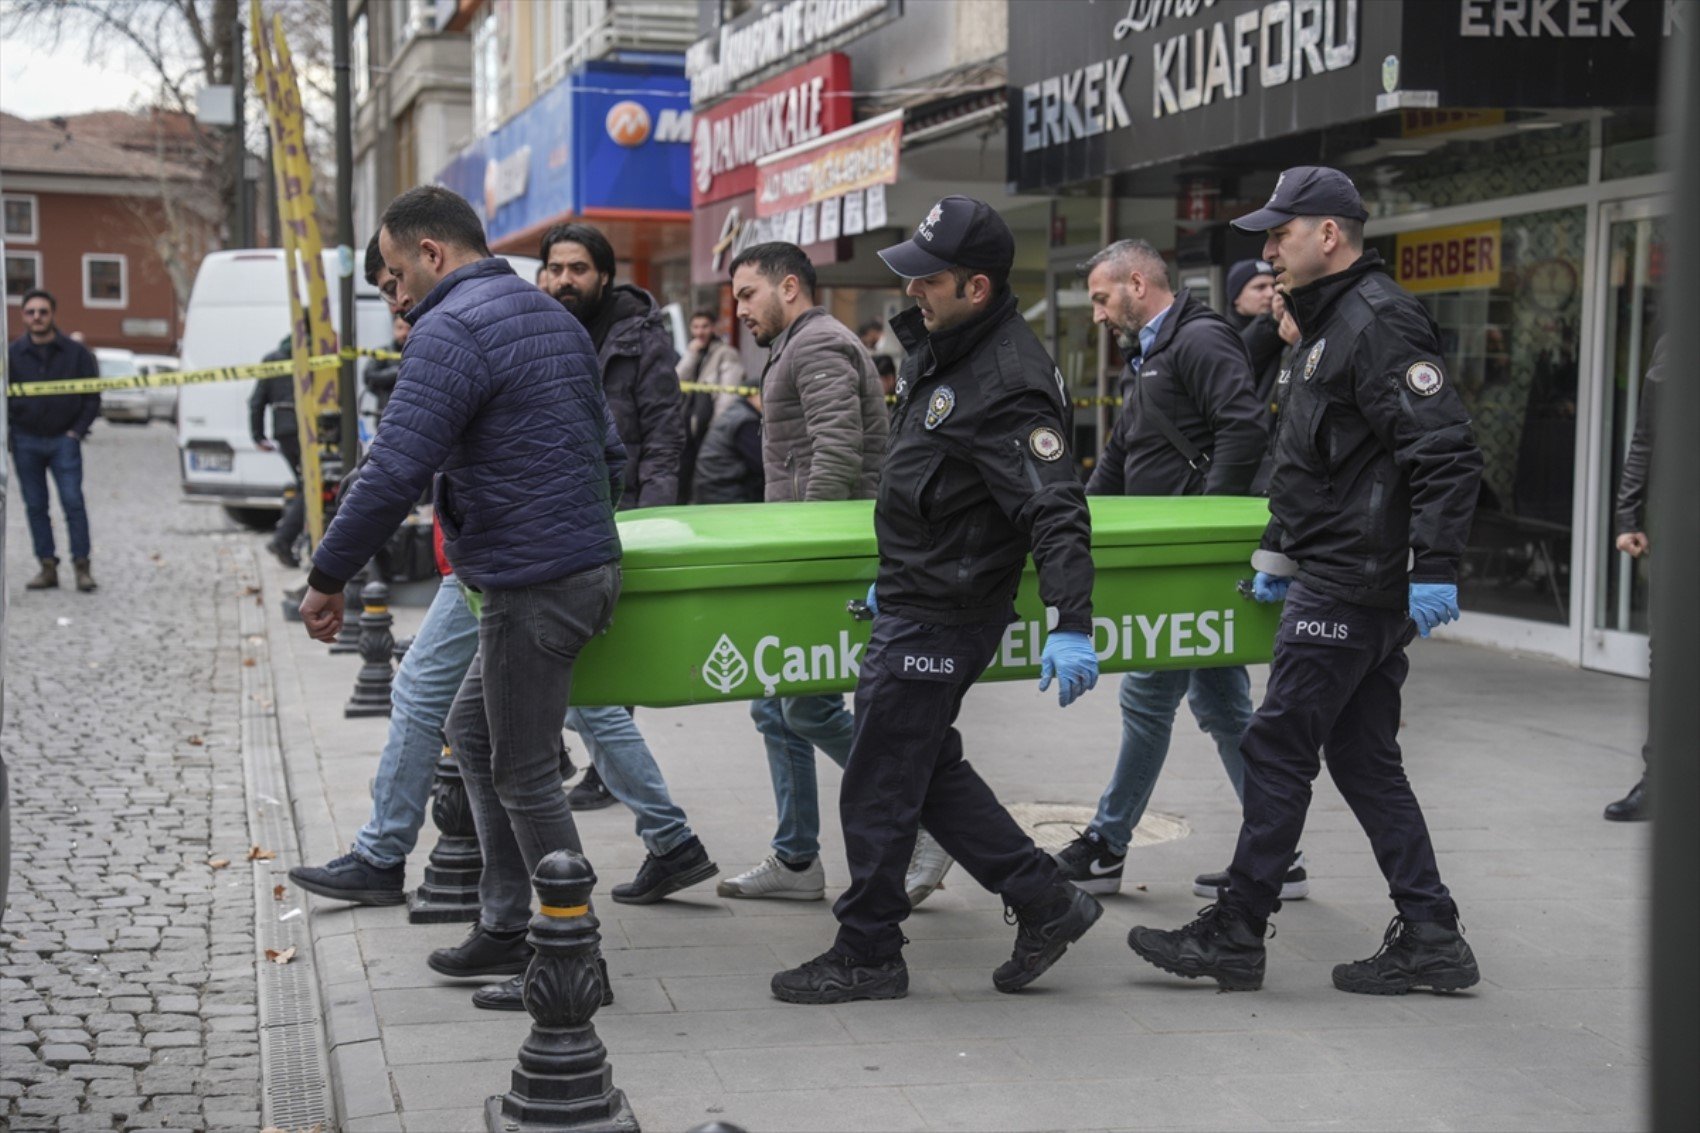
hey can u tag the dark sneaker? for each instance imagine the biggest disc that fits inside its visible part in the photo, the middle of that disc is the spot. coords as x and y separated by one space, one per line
591 793
1633 807
283 554
679 868
1043 933
350 879
1414 954
1220 944
1090 865
833 978
482 954
509 995
1294 887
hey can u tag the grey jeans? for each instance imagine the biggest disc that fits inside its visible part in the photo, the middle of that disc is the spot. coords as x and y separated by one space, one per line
505 728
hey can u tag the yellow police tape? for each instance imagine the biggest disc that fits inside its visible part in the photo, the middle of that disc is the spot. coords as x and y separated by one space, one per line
750 391
286 366
189 377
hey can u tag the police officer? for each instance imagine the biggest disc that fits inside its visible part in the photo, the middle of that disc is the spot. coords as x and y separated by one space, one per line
977 474
1374 485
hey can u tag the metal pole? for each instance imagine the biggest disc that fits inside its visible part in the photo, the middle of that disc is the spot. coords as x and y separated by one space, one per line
1674 534
345 229
242 231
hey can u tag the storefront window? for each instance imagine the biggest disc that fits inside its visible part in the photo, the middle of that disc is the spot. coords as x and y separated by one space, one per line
1425 167
1630 145
1507 296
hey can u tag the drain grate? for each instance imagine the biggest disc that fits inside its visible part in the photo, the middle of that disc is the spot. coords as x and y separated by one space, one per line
292 1054
1054 825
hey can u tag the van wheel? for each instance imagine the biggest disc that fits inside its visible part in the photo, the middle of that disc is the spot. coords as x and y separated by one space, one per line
255 518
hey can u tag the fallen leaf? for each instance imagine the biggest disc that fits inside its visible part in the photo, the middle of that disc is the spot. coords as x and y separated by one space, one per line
255 854
250 591
277 892
1141 888
195 741
283 957
219 863
157 557
248 662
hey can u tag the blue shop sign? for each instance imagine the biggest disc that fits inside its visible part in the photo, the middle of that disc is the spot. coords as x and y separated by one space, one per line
613 137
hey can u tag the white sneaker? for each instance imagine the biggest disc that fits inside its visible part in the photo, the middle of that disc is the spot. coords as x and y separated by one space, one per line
775 880
926 868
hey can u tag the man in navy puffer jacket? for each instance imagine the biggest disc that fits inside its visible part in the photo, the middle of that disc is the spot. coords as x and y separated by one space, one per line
499 390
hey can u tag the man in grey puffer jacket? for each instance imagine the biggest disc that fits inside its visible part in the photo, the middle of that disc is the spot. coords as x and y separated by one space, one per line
824 436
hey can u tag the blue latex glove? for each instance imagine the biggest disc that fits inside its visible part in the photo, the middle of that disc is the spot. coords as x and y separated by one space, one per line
1433 604
873 602
1068 657
1268 588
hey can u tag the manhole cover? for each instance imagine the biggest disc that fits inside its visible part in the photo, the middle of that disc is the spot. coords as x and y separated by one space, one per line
1054 825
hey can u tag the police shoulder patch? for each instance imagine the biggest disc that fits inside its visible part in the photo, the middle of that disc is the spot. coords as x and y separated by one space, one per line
939 406
1315 357
1046 443
1424 378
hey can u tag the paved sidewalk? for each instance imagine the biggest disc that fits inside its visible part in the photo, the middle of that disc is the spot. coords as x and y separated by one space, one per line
1513 759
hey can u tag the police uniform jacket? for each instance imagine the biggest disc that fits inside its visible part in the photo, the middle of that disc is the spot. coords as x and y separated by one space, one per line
1376 470
1196 374
978 472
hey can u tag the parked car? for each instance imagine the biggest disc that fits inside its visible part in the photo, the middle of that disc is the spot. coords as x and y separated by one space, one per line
128 405
162 400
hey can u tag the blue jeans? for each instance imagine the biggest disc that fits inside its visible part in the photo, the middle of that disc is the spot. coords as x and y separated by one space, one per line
34 457
424 688
623 759
1220 701
792 727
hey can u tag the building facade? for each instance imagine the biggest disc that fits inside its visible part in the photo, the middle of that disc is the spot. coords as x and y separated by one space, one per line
1506 155
113 232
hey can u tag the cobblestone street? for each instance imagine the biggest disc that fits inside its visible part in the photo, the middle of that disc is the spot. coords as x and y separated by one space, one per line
127 970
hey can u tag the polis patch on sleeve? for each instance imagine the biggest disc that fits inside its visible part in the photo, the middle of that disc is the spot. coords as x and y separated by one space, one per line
1046 443
1424 378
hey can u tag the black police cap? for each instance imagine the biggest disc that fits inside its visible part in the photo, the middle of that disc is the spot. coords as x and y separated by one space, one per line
1306 190
956 232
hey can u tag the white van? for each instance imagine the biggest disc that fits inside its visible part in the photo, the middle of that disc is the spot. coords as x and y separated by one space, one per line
239 312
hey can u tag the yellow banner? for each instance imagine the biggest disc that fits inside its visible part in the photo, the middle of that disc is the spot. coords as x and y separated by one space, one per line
1460 258
315 388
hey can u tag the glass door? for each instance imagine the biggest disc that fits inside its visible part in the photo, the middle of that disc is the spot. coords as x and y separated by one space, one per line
1631 260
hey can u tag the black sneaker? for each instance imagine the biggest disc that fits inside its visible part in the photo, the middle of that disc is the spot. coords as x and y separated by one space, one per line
1044 932
834 978
591 793
1090 865
679 868
350 879
482 954
1414 954
509 995
1294 887
1220 944
283 554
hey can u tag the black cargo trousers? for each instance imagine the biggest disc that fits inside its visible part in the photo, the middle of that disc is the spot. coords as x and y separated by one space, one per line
906 770
1335 684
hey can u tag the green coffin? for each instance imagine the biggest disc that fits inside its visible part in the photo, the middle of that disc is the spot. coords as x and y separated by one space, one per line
740 601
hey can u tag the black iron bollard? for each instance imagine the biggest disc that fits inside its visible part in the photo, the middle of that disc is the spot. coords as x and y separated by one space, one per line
348 641
563 1081
372 687
450 889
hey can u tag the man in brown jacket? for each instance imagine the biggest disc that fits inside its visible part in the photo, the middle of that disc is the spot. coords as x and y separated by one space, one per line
824 435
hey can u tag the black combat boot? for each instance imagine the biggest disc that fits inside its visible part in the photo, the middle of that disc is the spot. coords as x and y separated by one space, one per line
1223 944
1044 930
1414 954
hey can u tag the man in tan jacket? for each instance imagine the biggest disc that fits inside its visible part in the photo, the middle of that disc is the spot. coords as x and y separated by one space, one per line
824 435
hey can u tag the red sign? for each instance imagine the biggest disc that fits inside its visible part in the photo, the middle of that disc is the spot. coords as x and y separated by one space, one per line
800 106
846 162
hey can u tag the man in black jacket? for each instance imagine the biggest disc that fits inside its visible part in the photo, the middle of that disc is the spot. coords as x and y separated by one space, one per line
279 393
1632 538
1190 426
48 434
977 475
1375 482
